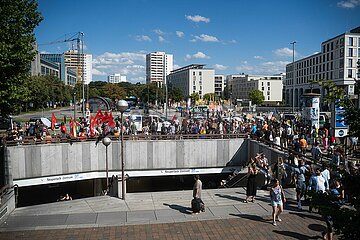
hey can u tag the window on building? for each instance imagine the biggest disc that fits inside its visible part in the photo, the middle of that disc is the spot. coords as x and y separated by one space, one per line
194 87
262 88
350 73
268 93
351 41
200 73
350 62
268 97
341 52
350 52
268 88
268 83
341 63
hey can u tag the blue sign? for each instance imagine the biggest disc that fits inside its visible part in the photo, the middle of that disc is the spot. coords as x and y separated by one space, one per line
340 121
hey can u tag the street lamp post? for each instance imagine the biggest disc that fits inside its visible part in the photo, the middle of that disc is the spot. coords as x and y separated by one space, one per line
106 141
293 78
122 106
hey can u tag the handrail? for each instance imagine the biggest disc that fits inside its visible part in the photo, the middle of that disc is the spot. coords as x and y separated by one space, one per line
31 141
4 189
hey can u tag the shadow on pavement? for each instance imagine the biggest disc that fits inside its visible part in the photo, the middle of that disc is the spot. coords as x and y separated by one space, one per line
182 209
303 215
230 197
295 235
251 217
317 227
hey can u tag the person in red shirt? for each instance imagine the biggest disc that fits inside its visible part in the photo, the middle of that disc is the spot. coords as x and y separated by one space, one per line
63 129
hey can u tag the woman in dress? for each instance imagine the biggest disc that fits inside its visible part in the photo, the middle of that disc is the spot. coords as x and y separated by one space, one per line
277 197
251 186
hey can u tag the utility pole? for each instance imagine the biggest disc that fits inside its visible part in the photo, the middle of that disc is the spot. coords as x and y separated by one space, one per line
293 78
82 74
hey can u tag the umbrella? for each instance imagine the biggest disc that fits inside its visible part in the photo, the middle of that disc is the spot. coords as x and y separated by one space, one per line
46 122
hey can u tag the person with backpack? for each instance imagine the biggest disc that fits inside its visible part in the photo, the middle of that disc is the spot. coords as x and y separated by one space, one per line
299 175
197 204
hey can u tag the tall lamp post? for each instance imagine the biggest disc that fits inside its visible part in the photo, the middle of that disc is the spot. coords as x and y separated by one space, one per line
106 141
122 106
293 83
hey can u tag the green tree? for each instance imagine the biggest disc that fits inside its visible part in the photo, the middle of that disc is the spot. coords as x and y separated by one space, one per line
256 96
194 97
17 23
211 97
175 94
113 91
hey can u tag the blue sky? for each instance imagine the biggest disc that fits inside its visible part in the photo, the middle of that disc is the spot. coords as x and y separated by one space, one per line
231 36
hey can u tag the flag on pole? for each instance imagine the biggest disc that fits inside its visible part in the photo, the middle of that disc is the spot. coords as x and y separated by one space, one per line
111 122
92 124
53 121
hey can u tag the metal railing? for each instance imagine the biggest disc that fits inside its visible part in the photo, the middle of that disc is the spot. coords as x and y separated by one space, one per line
34 141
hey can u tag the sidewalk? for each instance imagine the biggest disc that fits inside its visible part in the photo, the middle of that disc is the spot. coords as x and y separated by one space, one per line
161 215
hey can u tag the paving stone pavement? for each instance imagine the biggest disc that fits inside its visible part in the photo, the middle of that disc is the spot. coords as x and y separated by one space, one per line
162 215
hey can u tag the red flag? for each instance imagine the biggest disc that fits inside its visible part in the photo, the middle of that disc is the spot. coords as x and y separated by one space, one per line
99 116
92 125
173 118
53 121
105 117
111 121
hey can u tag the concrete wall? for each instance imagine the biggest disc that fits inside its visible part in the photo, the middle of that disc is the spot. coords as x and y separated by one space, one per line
272 154
57 159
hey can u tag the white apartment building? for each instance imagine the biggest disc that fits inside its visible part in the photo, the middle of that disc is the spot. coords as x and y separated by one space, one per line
271 86
193 78
336 62
71 60
219 84
116 78
158 66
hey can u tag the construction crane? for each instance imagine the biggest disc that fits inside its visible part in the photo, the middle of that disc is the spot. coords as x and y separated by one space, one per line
79 38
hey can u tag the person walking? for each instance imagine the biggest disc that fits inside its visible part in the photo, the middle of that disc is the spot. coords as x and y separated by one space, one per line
299 174
278 199
251 185
197 204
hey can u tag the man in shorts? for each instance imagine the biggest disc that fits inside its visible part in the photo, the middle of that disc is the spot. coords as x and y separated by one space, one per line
299 174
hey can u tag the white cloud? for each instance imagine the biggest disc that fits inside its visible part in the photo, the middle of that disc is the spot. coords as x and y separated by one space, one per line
348 4
159 32
162 39
270 67
97 72
233 41
259 57
198 55
205 38
220 67
180 34
131 64
176 66
143 38
197 18
284 52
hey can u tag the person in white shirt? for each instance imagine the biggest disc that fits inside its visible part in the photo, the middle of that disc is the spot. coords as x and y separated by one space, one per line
326 175
320 181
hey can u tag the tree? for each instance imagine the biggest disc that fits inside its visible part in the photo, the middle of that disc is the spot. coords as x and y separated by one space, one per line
256 96
17 23
194 97
211 97
176 94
